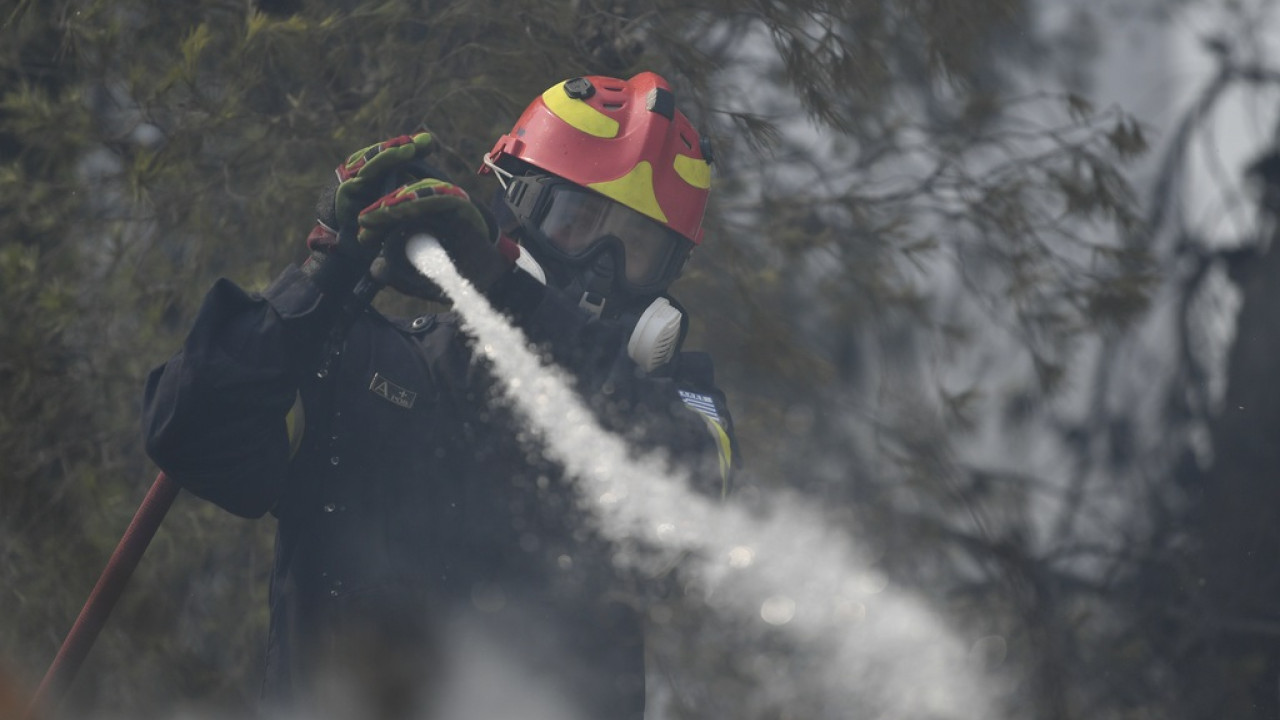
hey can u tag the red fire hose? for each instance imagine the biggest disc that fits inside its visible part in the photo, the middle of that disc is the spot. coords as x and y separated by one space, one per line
104 595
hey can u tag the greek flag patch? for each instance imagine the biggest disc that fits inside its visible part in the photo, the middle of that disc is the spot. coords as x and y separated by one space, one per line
701 403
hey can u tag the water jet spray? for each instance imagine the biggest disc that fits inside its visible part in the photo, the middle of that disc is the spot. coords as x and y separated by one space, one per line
884 652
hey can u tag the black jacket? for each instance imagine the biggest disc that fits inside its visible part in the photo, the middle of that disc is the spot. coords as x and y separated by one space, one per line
408 500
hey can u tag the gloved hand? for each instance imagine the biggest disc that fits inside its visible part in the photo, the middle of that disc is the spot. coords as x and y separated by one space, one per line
338 259
445 211
362 178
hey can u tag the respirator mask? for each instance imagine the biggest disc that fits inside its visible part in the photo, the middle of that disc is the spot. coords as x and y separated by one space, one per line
604 253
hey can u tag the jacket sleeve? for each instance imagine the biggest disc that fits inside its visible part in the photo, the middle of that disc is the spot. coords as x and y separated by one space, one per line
216 416
694 377
680 410
676 409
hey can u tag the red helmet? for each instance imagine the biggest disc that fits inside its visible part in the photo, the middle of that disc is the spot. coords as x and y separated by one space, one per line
624 139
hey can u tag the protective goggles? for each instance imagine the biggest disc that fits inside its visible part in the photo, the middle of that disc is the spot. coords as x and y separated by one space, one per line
574 223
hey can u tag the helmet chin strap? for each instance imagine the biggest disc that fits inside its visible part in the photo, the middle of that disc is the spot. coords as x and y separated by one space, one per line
597 283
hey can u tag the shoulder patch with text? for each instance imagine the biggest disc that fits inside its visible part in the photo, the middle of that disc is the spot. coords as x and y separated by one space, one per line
391 392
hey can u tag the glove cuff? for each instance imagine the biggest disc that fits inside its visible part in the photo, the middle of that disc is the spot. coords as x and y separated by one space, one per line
322 237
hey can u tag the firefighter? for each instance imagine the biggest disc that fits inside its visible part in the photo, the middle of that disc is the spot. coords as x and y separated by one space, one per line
409 503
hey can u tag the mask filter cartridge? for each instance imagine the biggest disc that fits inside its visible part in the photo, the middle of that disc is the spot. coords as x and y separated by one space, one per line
656 335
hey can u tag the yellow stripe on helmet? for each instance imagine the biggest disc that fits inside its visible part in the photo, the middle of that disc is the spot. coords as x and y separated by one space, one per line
635 190
694 171
579 114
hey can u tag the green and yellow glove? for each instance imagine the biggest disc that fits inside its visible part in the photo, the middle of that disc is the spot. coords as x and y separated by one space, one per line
445 211
362 179
338 259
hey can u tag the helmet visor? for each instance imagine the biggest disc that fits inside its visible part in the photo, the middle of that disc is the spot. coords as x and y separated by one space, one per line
576 221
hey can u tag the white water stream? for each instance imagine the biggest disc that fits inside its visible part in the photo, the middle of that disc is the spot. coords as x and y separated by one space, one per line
882 653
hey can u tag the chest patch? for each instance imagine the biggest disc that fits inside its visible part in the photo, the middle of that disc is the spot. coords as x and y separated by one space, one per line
391 392
701 403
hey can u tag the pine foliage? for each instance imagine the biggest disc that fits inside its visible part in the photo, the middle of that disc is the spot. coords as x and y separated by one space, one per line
148 148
